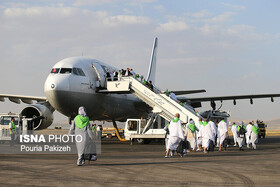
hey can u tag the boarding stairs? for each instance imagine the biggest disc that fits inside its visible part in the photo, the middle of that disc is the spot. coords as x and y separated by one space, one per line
162 104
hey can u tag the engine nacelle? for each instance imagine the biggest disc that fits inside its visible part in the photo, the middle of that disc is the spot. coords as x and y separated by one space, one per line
44 111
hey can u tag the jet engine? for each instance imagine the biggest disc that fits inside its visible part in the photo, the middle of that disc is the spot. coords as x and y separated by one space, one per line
42 114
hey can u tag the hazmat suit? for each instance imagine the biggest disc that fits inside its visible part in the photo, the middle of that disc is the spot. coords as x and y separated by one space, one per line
248 134
254 135
206 134
176 134
191 130
241 136
213 131
234 133
199 135
166 135
81 128
222 131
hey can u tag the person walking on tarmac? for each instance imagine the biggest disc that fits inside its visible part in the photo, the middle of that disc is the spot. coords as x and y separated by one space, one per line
222 133
234 133
167 137
176 134
248 134
254 135
241 132
191 135
81 127
207 135
213 128
199 135
12 131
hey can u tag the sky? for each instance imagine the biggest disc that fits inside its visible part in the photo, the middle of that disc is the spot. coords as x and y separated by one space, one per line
228 47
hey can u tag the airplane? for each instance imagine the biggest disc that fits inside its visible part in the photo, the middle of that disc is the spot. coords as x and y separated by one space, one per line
80 81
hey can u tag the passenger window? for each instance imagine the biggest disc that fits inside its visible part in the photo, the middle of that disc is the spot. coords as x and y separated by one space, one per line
55 70
66 70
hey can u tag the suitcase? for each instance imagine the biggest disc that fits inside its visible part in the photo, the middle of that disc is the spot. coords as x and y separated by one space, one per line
90 151
211 146
182 145
226 142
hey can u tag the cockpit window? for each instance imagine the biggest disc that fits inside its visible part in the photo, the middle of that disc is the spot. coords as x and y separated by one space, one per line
66 70
75 71
55 70
81 72
78 71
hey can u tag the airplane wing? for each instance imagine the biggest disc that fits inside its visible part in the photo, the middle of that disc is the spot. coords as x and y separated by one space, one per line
18 98
188 92
196 102
235 97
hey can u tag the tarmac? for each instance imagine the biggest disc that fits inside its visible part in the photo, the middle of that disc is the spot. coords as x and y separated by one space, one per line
121 164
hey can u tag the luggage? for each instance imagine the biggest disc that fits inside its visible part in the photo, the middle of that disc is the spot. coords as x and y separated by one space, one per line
87 156
226 142
241 132
182 145
211 146
188 145
90 151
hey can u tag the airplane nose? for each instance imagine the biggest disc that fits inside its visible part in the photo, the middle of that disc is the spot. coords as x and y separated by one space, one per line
57 83
55 88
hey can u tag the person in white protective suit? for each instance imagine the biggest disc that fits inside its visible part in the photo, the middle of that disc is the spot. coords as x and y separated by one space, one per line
248 134
206 133
176 134
213 130
222 133
191 131
81 127
241 133
199 135
234 133
217 136
166 135
254 135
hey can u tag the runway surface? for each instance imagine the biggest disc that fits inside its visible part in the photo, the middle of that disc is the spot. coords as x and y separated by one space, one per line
121 164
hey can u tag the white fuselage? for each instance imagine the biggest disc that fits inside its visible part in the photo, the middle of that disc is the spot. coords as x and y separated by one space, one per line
74 82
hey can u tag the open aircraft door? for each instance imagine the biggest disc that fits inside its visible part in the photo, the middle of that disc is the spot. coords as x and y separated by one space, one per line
101 74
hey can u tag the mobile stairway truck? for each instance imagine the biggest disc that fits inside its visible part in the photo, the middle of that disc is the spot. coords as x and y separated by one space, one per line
144 131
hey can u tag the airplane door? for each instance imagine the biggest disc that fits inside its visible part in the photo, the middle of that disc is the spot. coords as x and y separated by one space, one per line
101 74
